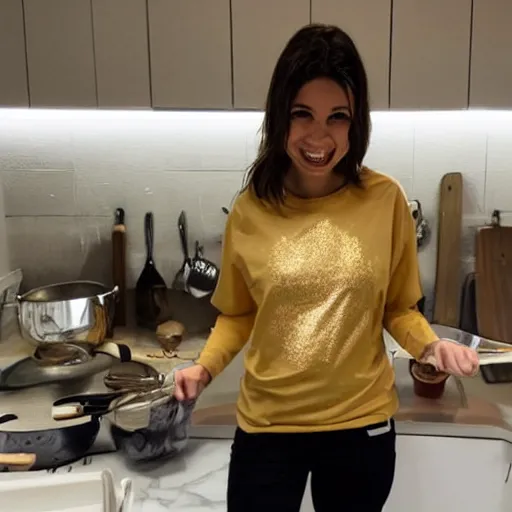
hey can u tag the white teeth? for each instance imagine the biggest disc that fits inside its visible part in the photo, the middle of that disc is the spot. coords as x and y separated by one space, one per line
318 157
315 156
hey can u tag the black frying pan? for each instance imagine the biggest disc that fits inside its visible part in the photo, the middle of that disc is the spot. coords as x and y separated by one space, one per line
52 447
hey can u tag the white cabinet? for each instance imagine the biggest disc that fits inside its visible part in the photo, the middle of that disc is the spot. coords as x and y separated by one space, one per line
190 51
430 54
371 35
60 53
220 54
261 30
446 474
491 62
13 65
122 53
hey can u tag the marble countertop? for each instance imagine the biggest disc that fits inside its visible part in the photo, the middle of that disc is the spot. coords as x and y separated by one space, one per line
194 481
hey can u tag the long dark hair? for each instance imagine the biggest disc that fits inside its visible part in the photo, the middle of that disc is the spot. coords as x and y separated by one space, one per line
315 51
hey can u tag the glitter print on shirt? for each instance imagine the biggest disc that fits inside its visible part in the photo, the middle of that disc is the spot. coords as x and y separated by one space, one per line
321 282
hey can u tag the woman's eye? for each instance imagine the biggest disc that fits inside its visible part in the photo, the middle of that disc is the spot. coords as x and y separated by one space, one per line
340 116
297 114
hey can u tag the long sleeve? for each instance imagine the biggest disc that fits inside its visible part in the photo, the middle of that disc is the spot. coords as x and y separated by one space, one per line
237 309
402 318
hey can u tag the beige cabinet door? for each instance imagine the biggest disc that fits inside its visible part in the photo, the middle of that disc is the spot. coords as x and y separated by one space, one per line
190 53
122 53
60 53
430 54
261 30
491 60
13 63
371 35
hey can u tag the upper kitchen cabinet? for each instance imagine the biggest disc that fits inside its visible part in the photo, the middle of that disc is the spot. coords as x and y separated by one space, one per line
190 51
13 65
491 63
60 53
371 34
122 55
430 54
261 30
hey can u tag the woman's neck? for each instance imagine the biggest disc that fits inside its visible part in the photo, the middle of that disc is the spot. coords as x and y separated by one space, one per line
313 187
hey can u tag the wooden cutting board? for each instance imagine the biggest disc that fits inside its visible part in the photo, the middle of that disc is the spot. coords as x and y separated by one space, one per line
448 286
494 283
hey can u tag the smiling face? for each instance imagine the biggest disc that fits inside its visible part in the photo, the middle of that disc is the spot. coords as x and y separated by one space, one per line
321 116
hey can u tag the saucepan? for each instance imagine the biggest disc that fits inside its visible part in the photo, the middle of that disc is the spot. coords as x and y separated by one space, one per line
147 422
78 312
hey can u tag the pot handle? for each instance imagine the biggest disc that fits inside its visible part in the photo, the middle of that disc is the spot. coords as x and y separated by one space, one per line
18 461
115 292
12 304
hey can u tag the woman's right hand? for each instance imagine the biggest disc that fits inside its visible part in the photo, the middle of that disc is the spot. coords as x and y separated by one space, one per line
190 382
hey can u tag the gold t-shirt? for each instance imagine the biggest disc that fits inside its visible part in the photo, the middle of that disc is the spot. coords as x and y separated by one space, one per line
311 289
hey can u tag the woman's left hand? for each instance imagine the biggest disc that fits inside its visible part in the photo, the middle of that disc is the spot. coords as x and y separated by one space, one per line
452 358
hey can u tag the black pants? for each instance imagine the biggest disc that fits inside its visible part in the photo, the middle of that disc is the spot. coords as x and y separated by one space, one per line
351 470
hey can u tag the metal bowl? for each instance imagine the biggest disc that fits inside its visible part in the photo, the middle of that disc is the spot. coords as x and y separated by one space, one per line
78 312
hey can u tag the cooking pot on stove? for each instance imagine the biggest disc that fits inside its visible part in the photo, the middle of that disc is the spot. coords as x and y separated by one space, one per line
79 312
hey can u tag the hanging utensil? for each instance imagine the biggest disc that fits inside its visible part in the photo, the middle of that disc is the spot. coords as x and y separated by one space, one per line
422 227
203 275
197 276
179 279
151 289
119 266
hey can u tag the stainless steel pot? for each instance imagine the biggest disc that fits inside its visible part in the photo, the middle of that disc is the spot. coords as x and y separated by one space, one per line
78 312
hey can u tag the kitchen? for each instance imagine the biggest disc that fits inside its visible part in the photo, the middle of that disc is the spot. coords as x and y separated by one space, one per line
105 131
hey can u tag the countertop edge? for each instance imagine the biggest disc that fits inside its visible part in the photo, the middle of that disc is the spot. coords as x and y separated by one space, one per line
409 428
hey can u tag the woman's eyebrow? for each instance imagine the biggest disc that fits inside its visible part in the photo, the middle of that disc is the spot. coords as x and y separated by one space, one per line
339 107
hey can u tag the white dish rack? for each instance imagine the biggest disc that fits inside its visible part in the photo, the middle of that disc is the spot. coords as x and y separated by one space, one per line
71 492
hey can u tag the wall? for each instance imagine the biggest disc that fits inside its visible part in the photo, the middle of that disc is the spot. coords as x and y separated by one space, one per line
64 173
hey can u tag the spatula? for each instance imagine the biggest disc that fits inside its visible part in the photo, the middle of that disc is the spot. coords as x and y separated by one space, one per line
151 289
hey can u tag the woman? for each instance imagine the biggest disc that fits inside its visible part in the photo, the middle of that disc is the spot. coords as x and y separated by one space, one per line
319 256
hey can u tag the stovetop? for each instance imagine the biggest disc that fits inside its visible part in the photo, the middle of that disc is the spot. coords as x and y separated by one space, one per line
32 405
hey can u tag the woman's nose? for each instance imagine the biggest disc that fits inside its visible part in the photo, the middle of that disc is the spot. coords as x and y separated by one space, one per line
318 131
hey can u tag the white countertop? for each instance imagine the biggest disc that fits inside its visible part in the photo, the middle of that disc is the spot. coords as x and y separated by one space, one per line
194 481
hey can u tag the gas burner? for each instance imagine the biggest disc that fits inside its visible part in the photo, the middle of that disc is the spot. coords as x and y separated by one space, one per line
61 354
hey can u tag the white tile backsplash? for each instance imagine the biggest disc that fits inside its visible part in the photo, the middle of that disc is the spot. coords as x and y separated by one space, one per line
39 193
34 142
65 172
53 249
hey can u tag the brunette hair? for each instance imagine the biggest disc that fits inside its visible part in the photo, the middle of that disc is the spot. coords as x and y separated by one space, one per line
315 51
